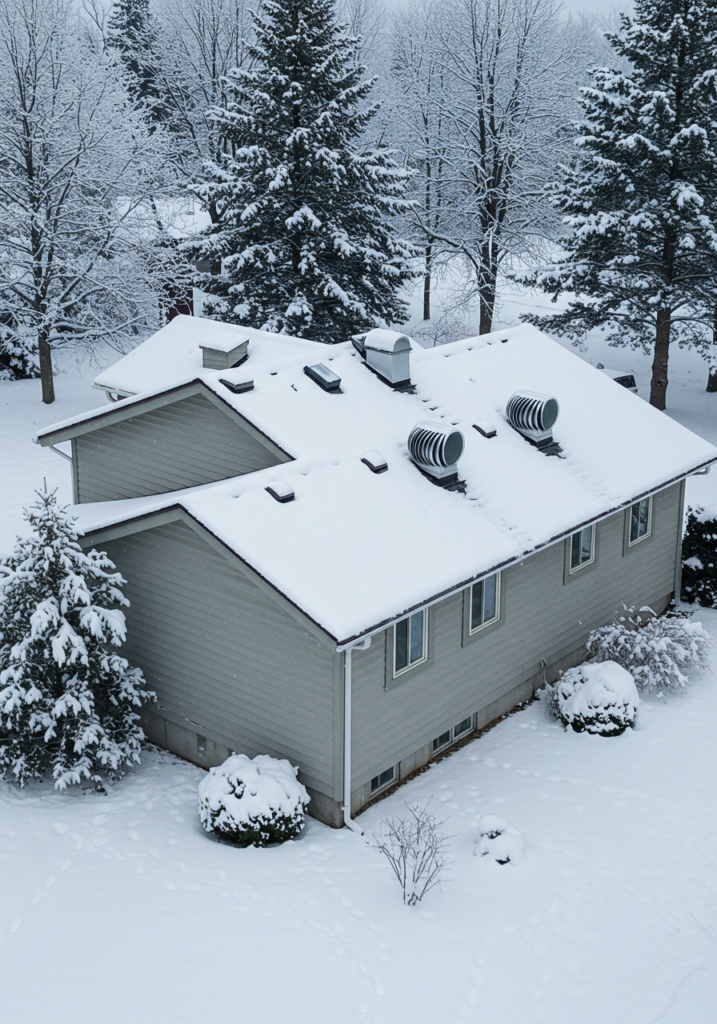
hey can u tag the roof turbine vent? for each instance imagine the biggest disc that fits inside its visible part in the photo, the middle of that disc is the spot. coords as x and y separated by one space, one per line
533 415
436 448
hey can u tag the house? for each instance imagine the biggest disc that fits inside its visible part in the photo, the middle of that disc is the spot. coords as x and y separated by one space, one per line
354 556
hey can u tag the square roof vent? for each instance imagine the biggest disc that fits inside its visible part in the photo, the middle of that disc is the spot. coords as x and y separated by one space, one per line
375 462
223 349
238 387
281 492
324 377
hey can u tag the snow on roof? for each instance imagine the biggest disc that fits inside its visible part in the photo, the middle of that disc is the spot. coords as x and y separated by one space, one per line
356 549
174 353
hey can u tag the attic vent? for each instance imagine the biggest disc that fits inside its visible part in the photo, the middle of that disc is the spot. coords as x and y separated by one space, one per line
388 353
239 387
485 427
281 493
223 350
436 449
324 377
533 415
375 462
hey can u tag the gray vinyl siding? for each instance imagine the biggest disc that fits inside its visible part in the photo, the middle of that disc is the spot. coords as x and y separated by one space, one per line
182 444
224 657
543 616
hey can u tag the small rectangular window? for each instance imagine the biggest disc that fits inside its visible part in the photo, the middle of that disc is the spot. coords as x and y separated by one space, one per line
582 548
462 727
640 520
379 781
409 642
440 741
485 602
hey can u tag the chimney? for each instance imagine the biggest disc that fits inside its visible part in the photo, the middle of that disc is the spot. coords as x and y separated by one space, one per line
387 353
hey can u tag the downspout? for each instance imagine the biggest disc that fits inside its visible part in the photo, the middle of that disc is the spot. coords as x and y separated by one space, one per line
360 646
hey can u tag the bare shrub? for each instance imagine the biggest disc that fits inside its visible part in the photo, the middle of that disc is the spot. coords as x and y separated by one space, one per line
415 848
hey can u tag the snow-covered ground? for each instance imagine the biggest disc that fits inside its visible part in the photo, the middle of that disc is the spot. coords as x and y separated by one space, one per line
119 908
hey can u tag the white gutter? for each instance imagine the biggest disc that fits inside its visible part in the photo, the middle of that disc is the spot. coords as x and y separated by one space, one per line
387 623
360 646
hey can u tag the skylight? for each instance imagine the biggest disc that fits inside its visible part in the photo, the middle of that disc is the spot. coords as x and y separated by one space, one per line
323 376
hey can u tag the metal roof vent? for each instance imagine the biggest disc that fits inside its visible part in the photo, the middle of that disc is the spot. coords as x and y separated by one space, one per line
223 350
436 449
324 377
388 354
533 415
281 492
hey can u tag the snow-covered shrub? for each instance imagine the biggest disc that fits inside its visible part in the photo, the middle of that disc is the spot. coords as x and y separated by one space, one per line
657 652
415 849
699 559
68 702
253 802
599 698
497 840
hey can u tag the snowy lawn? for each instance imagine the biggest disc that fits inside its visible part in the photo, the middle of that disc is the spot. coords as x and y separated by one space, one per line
119 908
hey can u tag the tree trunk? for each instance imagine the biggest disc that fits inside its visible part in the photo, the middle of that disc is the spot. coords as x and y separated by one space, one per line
487 303
427 285
48 386
658 387
712 359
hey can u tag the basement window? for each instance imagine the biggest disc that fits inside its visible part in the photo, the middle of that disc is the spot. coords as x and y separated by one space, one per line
410 642
582 548
379 782
485 602
640 521
464 726
442 740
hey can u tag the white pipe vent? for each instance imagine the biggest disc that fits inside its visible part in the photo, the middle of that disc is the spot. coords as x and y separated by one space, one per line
436 448
533 415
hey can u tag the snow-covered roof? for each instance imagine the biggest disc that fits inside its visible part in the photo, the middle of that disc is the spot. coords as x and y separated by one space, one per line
174 353
355 548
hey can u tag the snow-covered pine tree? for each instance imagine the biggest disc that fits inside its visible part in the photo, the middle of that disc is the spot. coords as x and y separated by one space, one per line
640 201
305 234
68 702
132 33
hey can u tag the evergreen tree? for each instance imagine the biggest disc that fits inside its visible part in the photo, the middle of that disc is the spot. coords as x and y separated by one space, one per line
304 236
132 33
640 202
67 701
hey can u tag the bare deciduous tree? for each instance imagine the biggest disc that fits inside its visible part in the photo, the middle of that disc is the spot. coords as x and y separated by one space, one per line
415 849
76 163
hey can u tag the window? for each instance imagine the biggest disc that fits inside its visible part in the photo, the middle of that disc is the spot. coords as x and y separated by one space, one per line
440 741
640 525
462 727
379 781
582 548
485 602
409 642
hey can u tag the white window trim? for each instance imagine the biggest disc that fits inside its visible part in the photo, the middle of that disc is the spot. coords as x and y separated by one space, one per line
632 543
391 782
498 585
424 652
591 561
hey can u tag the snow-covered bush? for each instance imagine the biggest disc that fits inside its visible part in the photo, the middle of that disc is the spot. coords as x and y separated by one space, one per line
68 703
415 849
497 840
253 802
699 559
599 698
657 652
